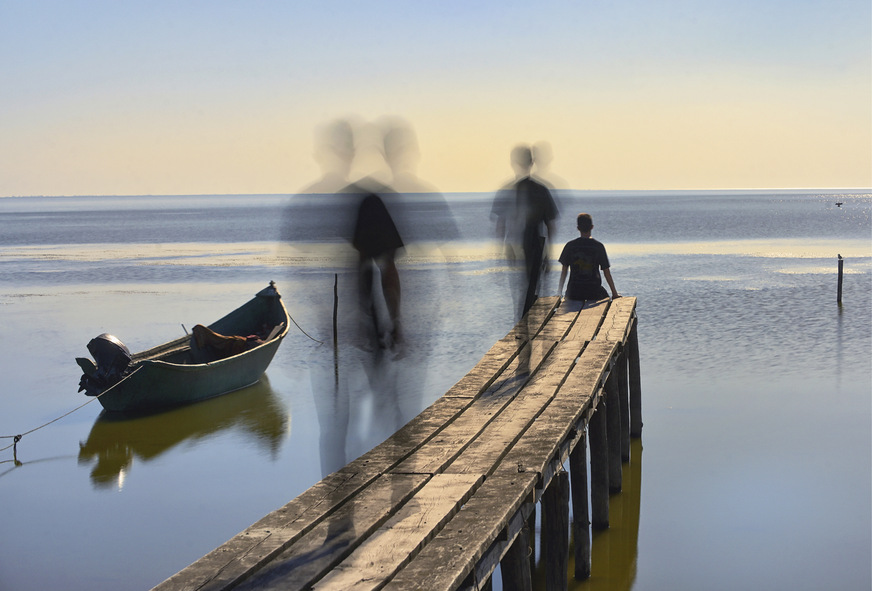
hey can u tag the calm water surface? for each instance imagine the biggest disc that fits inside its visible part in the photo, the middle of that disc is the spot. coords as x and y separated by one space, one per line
756 468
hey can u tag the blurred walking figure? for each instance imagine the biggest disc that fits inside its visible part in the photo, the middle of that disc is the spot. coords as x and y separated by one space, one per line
524 213
355 224
377 241
342 224
543 155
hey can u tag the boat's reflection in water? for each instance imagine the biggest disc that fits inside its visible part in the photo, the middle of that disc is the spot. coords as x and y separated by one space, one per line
115 440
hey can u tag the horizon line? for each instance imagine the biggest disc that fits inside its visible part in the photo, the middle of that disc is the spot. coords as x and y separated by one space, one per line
696 190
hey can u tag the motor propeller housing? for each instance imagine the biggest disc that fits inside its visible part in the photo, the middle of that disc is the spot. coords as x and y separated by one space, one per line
112 358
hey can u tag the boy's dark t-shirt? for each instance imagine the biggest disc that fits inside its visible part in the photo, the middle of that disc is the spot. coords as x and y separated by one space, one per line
585 257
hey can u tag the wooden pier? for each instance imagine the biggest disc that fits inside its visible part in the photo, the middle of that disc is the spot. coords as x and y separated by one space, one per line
452 495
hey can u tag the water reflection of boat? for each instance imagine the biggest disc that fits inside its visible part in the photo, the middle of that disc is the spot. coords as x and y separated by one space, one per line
114 440
230 354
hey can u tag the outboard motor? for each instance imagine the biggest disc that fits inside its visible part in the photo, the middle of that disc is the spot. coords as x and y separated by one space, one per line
112 357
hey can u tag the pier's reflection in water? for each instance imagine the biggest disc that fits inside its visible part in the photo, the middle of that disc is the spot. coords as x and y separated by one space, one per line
614 550
115 440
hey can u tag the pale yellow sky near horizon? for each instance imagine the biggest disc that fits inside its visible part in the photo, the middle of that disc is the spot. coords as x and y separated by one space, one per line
213 98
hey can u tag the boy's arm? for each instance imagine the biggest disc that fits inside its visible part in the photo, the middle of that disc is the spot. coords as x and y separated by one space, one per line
562 280
608 275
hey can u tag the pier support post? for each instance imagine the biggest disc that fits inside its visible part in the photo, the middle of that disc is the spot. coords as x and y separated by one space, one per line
599 467
531 539
555 532
580 509
515 565
635 382
624 395
613 426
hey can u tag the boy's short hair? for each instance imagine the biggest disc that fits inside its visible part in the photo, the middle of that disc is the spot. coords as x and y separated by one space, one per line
585 222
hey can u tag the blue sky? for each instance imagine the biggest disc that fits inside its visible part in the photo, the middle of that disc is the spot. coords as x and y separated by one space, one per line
224 97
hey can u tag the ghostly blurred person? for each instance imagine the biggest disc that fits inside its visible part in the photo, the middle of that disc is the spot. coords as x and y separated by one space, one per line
334 152
524 213
345 228
543 156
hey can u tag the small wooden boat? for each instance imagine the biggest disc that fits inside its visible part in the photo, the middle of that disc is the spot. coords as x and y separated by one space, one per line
230 354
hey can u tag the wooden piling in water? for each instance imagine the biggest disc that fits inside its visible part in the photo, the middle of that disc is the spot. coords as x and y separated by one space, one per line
599 468
555 532
624 396
531 527
613 428
580 509
515 565
635 382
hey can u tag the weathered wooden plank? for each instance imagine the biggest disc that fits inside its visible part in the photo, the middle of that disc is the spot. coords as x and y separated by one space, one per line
538 315
541 443
479 534
441 450
496 371
529 326
493 372
488 369
559 324
483 454
395 543
438 452
329 542
504 351
410 437
231 562
588 321
618 320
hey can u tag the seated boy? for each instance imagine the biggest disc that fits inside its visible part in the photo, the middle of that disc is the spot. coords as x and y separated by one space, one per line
584 257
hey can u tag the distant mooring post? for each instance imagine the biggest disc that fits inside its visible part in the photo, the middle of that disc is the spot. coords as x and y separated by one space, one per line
335 331
839 293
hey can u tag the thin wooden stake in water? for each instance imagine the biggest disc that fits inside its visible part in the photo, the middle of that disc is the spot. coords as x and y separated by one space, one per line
839 296
335 331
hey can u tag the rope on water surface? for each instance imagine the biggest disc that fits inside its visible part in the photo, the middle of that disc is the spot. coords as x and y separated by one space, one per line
303 331
17 438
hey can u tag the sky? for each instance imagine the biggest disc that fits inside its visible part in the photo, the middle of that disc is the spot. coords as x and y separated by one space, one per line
227 97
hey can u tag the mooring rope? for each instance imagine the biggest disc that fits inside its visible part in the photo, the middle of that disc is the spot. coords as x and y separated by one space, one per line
303 331
17 438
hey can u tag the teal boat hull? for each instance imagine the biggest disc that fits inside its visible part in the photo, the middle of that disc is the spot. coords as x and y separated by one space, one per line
170 375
